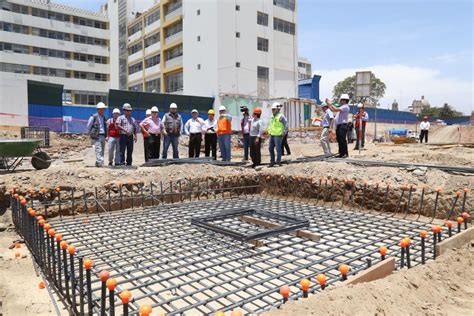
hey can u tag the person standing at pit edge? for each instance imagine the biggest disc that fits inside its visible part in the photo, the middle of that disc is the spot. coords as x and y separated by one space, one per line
97 131
113 138
224 133
276 129
128 134
210 136
256 131
194 128
327 121
245 127
341 123
151 129
364 116
424 128
173 124
146 152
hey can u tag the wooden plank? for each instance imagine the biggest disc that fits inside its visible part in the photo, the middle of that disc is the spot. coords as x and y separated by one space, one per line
455 241
375 272
299 233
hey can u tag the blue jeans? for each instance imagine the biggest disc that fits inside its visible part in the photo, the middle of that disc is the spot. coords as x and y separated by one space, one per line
246 146
173 140
224 146
275 141
126 143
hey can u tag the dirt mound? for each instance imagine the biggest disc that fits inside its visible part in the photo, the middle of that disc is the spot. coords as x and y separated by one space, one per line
443 287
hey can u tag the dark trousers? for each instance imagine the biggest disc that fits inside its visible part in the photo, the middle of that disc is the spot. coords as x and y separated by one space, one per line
341 136
126 143
423 134
284 145
210 143
255 150
152 147
195 145
246 146
362 141
146 148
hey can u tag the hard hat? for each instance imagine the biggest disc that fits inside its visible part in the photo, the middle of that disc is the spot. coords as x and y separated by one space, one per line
360 105
154 109
100 105
194 111
222 108
173 106
148 112
127 107
211 111
116 111
323 104
257 110
344 96
276 105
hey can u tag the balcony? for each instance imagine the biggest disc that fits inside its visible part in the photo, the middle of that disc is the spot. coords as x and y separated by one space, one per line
174 62
174 13
135 56
135 76
173 38
152 48
152 27
135 36
152 70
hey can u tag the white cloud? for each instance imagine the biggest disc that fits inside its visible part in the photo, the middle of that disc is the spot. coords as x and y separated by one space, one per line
406 83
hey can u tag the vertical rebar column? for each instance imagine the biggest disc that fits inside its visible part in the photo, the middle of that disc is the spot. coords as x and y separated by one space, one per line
104 276
88 265
423 235
58 238
81 285
71 249
65 267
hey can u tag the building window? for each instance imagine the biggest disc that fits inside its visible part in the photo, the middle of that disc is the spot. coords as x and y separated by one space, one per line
135 48
152 61
262 44
13 7
155 16
9 27
174 82
262 18
237 64
174 52
153 85
198 12
283 26
88 98
262 73
174 29
135 28
135 68
199 66
137 88
152 39
237 7
287 4
173 6
15 68
199 38
237 34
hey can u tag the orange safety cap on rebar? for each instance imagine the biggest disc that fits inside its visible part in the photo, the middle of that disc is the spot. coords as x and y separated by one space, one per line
236 312
63 244
29 209
47 226
111 284
460 220
321 279
42 222
125 297
71 249
436 229
423 234
439 190
17 254
58 237
104 275
383 250
58 189
51 232
465 215
344 269
88 263
404 186
145 310
458 193
466 190
449 224
39 217
41 285
17 245
285 291
23 202
32 213
305 283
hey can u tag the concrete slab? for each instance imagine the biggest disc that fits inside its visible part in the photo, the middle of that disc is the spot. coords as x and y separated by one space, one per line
375 272
455 241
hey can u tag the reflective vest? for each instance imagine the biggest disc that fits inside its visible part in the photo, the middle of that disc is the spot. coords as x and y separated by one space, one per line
276 127
224 125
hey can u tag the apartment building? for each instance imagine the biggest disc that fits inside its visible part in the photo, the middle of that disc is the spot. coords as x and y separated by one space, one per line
215 48
49 42
304 68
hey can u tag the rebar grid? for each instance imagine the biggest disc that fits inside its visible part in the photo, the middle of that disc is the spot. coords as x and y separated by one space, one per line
176 267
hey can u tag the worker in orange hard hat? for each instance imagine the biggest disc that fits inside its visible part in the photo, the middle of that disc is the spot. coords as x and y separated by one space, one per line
256 132
424 128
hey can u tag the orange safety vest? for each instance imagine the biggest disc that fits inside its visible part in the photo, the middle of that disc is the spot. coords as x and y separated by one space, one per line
224 125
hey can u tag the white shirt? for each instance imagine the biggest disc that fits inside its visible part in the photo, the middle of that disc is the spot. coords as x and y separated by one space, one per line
425 125
328 115
194 126
210 124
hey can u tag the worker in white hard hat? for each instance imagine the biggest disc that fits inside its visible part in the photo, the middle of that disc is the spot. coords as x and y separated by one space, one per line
173 124
194 128
327 122
152 128
210 136
128 130
277 128
113 138
245 128
341 119
360 116
224 133
97 130
146 152
424 129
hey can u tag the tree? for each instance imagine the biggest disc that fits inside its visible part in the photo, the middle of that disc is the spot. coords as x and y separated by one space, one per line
348 86
448 112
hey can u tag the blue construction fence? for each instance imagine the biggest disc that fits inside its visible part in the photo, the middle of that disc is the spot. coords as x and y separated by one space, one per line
388 116
52 116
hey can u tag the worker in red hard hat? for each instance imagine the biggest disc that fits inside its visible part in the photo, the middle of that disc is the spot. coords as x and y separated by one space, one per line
256 132
424 128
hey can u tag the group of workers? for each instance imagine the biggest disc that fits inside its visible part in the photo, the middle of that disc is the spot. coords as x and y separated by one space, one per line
120 133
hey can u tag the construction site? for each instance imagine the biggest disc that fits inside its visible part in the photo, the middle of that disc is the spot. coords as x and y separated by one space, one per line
387 231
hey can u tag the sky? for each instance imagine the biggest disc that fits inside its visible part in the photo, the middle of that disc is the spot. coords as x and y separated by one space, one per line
417 47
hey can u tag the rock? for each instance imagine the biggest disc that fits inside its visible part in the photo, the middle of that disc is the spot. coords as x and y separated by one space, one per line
398 178
3 227
82 175
419 172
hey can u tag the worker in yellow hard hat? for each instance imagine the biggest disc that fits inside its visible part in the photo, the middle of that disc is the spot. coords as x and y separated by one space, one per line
210 136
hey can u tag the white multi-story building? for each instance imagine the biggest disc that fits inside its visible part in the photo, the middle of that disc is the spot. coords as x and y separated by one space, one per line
53 43
304 68
215 48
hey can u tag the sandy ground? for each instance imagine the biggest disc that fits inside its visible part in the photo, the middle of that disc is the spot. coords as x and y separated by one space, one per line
441 287
73 166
